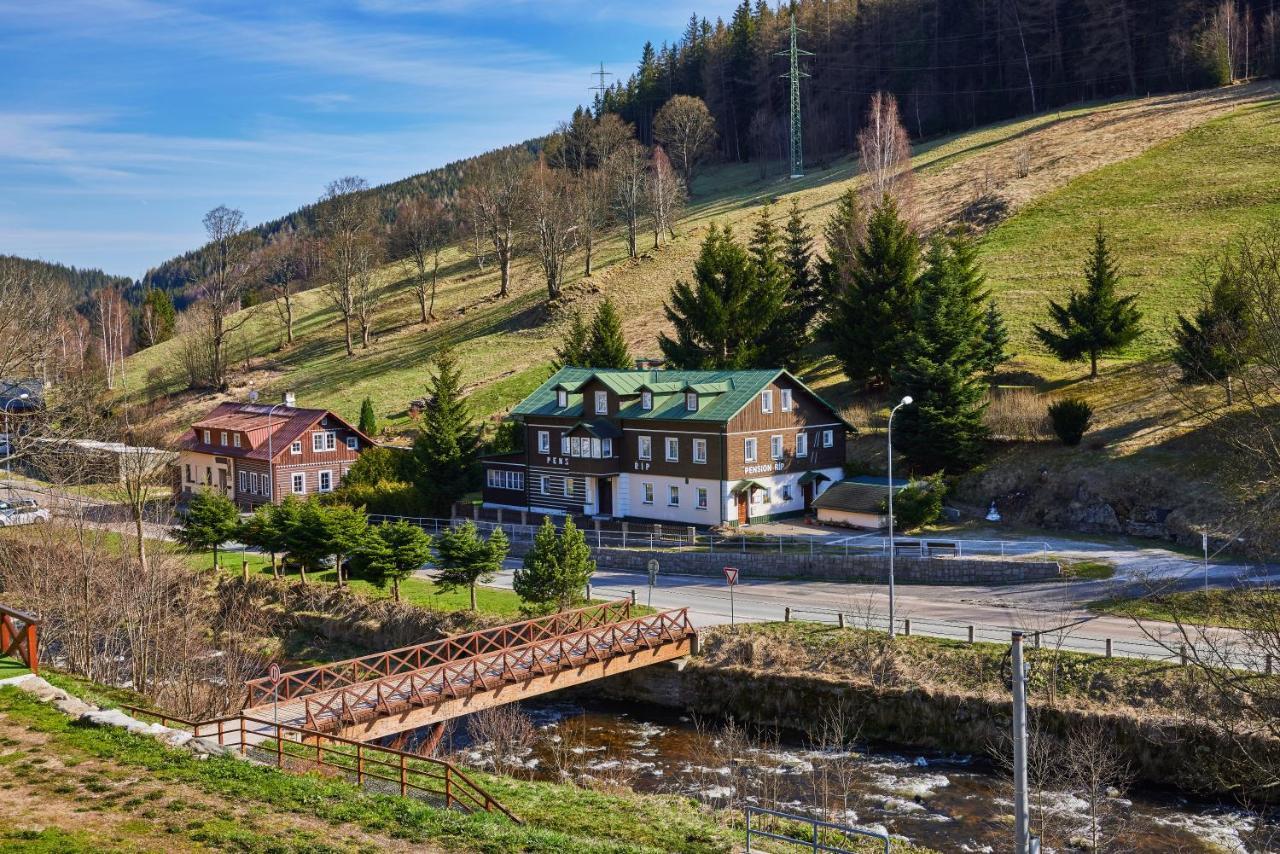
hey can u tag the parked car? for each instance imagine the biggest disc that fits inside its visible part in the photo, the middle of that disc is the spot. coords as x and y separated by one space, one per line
21 511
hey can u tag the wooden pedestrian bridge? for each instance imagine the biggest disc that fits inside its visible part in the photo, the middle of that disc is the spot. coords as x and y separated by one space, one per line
392 692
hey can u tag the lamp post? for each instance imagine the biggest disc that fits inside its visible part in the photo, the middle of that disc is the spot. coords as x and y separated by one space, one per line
906 401
8 440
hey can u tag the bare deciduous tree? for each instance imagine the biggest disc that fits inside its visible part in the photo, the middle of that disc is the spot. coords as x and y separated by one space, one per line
285 264
885 153
38 333
496 194
112 317
550 197
591 209
420 233
627 168
351 253
665 193
686 128
224 280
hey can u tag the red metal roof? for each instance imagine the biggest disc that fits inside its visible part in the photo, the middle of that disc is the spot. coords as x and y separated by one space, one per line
283 425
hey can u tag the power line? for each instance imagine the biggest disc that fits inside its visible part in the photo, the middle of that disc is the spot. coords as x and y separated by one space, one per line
795 75
601 88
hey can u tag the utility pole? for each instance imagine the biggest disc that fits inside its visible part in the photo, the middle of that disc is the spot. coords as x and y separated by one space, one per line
795 75
1023 841
601 88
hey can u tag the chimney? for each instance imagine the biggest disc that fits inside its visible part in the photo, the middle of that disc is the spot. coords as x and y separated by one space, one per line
290 400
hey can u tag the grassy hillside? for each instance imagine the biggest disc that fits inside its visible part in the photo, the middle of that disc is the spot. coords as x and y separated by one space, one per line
1172 174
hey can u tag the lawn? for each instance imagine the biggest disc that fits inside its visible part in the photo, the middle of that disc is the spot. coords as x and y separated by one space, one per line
1233 608
10 667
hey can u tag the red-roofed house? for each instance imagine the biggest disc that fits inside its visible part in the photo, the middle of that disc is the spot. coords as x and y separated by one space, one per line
255 452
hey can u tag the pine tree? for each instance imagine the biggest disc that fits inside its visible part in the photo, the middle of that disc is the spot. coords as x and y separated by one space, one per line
556 570
307 538
781 345
724 318
465 558
805 296
209 521
445 449
1214 345
263 530
606 348
876 296
392 552
1094 321
368 420
572 352
995 340
941 363
344 529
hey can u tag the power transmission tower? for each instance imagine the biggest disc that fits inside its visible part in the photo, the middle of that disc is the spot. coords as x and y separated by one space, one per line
795 75
601 88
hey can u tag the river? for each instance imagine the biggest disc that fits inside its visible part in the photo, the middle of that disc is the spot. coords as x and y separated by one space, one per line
945 802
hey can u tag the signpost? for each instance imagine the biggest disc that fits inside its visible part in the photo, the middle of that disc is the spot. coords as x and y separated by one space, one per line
273 673
731 578
653 578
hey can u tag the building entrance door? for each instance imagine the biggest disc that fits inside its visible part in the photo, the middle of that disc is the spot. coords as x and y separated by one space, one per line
744 500
604 504
807 492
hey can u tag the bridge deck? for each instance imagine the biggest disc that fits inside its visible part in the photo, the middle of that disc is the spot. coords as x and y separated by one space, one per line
441 689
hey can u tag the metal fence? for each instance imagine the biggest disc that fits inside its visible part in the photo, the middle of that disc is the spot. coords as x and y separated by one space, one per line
655 537
1167 645
770 824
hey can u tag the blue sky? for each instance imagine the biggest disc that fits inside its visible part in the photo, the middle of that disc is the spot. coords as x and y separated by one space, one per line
123 121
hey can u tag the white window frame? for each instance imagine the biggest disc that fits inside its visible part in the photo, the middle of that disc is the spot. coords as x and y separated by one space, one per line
296 447
235 440
671 449
673 495
298 483
323 441
646 400
646 493
766 401
699 450
544 484
644 447
691 401
702 501
787 494
244 482
777 447
828 438
505 479
786 399
749 449
544 442
562 398
353 443
606 448
566 488
266 486
802 444
222 438
320 476
208 437
564 444
602 403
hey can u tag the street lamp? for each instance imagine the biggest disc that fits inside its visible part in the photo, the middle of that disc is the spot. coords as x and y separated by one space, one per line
8 441
906 401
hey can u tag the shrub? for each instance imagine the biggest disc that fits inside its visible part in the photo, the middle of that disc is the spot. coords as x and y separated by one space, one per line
1070 418
1016 414
919 503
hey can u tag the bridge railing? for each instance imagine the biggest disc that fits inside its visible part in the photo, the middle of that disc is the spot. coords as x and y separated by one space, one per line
20 637
394 694
409 659
296 749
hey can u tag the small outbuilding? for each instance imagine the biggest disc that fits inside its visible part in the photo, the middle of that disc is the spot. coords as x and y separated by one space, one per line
856 502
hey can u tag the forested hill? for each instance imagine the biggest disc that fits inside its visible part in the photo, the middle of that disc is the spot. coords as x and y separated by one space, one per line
444 182
953 64
82 282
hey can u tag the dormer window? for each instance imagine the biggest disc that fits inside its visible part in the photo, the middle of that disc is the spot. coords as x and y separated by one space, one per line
691 401
562 398
208 440
602 403
646 400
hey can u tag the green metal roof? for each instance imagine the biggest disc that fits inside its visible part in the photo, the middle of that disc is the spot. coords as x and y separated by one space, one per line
721 394
743 485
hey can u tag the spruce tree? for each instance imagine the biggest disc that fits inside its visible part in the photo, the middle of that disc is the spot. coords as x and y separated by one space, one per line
873 305
445 450
344 529
1214 345
368 420
572 352
804 300
556 570
723 319
843 233
209 521
941 363
392 552
606 348
1097 320
465 558
781 345
995 340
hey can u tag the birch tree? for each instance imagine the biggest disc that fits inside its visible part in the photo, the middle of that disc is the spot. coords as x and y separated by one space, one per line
627 169
224 280
551 219
885 154
420 234
497 196
350 253
665 193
